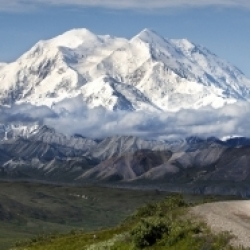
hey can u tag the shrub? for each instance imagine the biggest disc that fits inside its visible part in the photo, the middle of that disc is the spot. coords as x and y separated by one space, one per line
162 208
175 201
181 230
146 211
148 231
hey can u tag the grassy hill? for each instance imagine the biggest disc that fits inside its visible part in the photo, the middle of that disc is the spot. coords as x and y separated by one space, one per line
163 225
31 209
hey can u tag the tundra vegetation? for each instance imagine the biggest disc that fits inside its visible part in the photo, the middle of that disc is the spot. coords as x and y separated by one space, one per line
166 224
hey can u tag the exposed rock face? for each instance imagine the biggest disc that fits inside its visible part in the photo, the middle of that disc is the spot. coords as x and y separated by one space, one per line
128 166
192 165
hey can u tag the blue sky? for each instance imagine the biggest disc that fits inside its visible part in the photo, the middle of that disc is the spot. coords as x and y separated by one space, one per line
223 26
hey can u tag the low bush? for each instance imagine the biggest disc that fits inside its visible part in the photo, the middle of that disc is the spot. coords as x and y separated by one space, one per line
148 231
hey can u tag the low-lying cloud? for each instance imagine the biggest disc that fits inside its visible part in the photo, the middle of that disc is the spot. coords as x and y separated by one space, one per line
15 5
72 117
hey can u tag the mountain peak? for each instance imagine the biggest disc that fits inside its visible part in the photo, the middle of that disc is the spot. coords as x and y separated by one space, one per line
80 32
74 38
148 31
147 35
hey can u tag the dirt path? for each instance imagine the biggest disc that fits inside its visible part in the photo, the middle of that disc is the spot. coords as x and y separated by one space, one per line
232 216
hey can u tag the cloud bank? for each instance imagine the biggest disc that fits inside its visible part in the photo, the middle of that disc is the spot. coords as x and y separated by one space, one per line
15 5
71 117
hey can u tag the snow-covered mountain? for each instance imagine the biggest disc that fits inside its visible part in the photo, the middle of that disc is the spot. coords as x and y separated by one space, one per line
114 95
147 72
2 64
12 131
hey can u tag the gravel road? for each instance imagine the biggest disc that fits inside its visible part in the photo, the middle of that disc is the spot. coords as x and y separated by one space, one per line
232 216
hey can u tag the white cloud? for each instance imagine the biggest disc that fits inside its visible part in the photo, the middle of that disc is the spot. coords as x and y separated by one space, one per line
15 5
98 123
230 120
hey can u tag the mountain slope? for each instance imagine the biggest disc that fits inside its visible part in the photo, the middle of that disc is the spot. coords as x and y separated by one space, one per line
114 95
188 75
2 64
190 165
46 74
147 72
127 167
119 145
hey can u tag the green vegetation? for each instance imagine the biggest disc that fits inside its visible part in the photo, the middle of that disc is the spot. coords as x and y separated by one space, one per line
31 209
163 225
148 231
